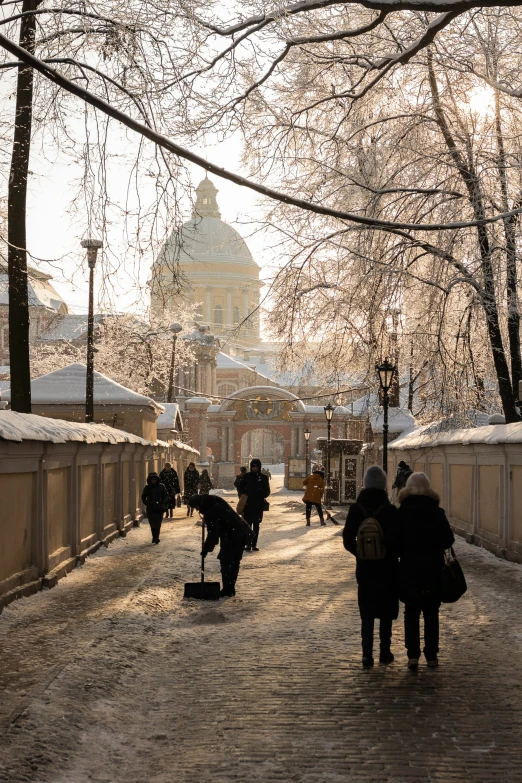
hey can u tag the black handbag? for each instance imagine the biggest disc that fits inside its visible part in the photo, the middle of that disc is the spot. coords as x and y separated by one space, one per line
266 505
453 582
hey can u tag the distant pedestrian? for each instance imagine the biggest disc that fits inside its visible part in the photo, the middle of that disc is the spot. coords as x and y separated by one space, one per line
237 480
227 528
205 483
155 498
190 485
169 478
403 473
370 533
424 534
254 488
266 472
314 489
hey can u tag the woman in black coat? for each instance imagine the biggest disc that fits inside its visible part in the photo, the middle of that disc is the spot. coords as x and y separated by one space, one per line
424 534
190 486
155 498
377 580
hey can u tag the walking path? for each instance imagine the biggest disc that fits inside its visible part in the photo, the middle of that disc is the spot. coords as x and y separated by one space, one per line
111 677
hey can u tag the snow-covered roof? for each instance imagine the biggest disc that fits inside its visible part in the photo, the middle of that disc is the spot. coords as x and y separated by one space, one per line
67 387
185 447
170 418
339 410
198 401
39 290
399 420
26 426
226 362
68 327
428 437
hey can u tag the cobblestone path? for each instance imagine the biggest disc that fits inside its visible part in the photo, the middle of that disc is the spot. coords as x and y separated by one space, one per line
112 677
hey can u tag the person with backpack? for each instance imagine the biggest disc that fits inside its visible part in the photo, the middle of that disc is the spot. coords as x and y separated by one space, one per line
227 528
314 489
155 498
370 533
423 534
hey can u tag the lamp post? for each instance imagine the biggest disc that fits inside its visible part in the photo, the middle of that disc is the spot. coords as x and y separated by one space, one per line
307 443
175 329
92 246
328 412
385 371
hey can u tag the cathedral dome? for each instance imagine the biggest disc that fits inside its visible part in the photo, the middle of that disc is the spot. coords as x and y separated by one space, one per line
205 238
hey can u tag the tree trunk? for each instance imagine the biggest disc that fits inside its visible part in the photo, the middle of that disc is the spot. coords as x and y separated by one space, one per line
513 314
16 229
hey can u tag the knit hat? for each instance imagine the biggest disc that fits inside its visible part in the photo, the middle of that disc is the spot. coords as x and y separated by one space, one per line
375 478
418 482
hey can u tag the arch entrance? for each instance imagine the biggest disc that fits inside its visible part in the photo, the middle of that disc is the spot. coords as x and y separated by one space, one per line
268 445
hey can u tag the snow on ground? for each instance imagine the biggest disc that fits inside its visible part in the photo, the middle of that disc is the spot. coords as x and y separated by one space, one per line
111 677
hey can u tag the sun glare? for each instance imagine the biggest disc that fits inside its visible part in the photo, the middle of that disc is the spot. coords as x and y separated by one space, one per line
482 100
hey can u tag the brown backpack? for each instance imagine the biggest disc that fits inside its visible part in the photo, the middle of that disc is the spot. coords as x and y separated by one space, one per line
370 538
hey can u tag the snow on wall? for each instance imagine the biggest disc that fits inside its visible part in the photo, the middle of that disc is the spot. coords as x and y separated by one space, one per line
26 426
426 437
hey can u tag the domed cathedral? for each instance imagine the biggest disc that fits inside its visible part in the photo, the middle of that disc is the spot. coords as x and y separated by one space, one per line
222 277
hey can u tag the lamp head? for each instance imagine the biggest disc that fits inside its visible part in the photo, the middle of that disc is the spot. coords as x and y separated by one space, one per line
176 328
307 435
92 246
328 411
385 371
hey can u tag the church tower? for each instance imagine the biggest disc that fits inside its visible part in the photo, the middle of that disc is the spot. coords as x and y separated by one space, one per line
222 278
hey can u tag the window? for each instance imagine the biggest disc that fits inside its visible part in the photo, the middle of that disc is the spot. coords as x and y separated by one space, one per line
226 389
218 315
237 315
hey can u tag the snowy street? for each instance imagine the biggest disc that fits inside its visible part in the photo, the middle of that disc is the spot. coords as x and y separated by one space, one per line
111 677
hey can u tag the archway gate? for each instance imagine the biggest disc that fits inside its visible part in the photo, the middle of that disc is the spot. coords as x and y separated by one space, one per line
217 430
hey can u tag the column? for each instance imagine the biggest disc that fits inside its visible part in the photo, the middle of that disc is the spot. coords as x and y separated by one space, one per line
231 443
245 304
229 309
213 381
293 442
208 308
203 439
181 383
301 444
224 443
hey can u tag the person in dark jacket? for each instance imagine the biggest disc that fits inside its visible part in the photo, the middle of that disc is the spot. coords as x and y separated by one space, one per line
377 580
190 486
169 479
256 487
237 480
205 484
403 473
227 528
155 498
424 534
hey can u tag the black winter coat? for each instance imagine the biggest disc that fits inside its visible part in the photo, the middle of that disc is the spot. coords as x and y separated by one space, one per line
378 582
155 497
257 488
424 534
223 526
169 478
190 483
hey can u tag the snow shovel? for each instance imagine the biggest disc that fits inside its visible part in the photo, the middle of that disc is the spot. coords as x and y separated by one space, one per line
208 591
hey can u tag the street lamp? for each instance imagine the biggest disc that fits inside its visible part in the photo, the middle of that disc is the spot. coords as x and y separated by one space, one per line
175 329
385 371
92 246
307 439
328 412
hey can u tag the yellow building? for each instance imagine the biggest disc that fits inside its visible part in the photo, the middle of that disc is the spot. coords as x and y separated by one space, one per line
222 277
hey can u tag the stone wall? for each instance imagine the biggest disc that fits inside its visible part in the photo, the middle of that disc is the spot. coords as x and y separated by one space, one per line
61 501
480 486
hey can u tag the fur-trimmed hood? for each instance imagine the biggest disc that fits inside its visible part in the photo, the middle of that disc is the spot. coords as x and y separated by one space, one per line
408 492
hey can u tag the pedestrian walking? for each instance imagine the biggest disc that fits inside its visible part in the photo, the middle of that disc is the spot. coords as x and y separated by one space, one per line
423 535
155 498
242 471
314 486
190 486
254 488
205 483
225 526
370 533
403 473
169 478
